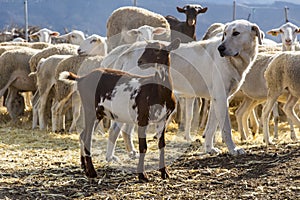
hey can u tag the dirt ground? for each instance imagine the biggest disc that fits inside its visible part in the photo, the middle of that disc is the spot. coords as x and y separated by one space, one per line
44 165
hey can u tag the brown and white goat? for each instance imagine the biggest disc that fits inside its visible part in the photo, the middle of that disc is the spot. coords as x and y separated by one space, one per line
128 98
186 31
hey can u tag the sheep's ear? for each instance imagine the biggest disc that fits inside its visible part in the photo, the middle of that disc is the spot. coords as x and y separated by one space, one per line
173 45
33 36
298 30
181 10
274 32
202 10
54 34
159 31
257 32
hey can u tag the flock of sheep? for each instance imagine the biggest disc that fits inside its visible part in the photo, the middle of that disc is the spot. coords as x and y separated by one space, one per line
37 68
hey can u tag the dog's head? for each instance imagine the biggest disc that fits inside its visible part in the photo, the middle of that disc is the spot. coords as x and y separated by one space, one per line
238 36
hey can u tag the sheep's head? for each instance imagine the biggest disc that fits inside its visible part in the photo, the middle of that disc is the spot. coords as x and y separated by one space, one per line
93 45
44 35
144 32
191 11
288 32
73 37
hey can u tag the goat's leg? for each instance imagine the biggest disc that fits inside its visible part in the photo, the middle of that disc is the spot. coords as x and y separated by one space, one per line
143 149
196 114
189 105
35 118
161 146
127 132
86 146
288 108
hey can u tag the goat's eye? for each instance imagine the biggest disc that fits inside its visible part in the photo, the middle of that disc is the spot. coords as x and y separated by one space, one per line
235 33
73 36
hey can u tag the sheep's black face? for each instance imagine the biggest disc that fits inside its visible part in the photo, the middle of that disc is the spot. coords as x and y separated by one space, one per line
154 53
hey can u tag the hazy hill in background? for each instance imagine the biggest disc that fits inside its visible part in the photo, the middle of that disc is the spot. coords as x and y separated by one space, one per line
90 15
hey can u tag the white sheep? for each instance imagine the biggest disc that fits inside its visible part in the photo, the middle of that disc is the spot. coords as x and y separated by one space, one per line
14 67
58 49
282 75
129 17
94 45
44 35
73 37
34 45
288 32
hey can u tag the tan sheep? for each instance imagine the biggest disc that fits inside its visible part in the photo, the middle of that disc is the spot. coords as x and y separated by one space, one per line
282 74
34 45
59 49
127 18
14 67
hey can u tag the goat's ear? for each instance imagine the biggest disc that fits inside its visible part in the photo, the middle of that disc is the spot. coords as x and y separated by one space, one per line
54 34
159 31
202 10
257 32
274 32
173 45
181 10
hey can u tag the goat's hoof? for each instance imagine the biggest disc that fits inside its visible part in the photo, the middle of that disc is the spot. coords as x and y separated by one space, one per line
164 173
143 177
213 151
91 174
237 151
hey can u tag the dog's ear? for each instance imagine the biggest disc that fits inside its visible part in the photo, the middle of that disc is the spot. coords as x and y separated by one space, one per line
258 33
223 37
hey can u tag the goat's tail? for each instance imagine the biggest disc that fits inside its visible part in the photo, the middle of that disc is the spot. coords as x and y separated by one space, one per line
68 77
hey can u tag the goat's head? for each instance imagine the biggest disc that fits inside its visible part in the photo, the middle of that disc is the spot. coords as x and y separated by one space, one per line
239 36
93 45
156 52
288 33
44 35
191 11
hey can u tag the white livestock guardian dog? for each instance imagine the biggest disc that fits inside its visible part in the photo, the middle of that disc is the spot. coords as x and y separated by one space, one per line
213 69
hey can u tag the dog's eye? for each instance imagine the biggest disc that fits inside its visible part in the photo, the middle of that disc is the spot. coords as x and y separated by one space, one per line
235 33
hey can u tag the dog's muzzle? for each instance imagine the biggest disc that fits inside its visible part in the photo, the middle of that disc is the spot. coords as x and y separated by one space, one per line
221 50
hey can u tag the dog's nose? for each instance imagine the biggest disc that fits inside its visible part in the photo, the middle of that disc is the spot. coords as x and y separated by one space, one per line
221 48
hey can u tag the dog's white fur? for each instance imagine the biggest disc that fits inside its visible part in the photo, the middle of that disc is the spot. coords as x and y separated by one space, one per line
198 70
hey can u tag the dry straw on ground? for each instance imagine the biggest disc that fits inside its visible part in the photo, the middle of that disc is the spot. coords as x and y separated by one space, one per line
43 165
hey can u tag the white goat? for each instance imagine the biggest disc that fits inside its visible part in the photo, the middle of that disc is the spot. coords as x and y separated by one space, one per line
288 32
